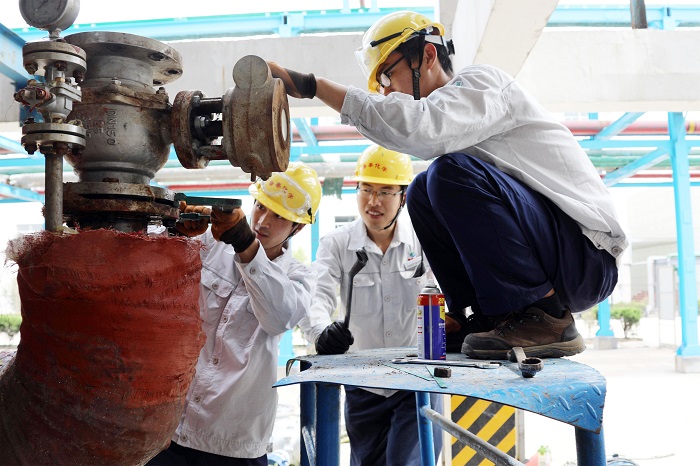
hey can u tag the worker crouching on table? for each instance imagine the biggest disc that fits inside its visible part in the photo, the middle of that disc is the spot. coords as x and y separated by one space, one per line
381 424
511 213
252 291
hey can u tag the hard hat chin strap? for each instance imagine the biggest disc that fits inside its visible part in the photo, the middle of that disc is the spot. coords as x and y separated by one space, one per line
393 220
416 70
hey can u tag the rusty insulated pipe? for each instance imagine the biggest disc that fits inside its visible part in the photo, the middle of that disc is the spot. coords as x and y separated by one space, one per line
110 337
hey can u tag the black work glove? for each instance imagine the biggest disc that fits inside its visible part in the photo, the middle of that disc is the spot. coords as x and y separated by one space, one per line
232 228
299 85
335 339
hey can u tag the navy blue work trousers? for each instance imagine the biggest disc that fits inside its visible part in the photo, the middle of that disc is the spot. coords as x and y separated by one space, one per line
497 245
383 431
177 455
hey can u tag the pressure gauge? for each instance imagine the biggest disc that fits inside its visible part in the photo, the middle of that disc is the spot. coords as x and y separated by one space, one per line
49 15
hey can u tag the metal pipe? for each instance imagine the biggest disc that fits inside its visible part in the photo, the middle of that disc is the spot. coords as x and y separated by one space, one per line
53 182
328 424
465 437
577 128
307 418
590 447
638 13
425 430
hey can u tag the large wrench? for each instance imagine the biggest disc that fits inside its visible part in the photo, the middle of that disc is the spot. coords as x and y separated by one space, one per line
435 362
356 267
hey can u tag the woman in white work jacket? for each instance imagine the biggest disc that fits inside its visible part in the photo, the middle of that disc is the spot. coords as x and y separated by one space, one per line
381 424
252 291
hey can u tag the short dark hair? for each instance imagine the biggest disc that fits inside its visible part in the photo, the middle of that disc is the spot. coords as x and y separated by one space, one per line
411 49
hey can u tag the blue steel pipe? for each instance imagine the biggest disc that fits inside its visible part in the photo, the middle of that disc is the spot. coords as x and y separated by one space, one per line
307 418
425 430
327 444
590 447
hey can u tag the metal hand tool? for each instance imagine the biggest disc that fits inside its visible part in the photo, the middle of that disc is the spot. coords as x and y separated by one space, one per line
478 365
356 267
528 366
193 216
217 203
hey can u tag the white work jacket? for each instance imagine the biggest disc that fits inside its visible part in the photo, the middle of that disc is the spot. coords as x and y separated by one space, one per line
383 311
245 308
485 113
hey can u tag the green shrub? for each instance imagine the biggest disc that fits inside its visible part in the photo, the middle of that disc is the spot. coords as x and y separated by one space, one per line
9 323
629 313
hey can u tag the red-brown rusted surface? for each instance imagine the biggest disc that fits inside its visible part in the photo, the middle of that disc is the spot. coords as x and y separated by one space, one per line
110 336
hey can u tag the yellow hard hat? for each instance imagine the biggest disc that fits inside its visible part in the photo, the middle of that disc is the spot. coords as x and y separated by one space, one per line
294 194
384 166
386 35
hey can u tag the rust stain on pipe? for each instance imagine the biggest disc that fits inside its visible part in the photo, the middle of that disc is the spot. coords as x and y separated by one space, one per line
110 337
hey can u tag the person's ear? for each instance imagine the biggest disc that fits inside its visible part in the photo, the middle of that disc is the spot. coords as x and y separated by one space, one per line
430 55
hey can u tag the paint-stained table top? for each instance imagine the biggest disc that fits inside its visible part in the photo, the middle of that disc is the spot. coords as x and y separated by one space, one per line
564 390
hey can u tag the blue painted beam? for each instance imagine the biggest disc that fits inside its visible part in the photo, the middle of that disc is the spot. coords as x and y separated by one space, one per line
20 194
642 163
305 131
687 292
617 126
280 23
651 143
15 147
658 17
11 61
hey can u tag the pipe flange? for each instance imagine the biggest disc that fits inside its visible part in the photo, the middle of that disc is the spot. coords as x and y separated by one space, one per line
70 59
105 48
43 136
186 146
255 114
99 204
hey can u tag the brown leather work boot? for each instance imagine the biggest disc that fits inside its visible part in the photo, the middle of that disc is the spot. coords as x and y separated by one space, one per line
538 333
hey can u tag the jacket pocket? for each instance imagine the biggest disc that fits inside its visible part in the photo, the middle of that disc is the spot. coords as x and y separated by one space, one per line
363 296
215 293
244 325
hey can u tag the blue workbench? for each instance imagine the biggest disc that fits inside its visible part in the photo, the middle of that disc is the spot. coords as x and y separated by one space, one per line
564 390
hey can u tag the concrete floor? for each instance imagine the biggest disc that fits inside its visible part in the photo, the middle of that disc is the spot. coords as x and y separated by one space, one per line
651 416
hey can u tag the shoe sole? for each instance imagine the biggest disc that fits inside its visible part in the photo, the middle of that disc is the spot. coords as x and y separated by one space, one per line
552 350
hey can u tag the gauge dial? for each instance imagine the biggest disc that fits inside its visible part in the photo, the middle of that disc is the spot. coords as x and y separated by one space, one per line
49 14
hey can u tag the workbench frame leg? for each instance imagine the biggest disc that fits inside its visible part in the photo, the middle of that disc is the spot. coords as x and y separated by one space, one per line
590 447
327 424
425 431
307 418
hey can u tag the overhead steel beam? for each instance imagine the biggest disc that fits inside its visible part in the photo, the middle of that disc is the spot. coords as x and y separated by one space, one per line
619 125
11 62
281 23
643 163
20 194
13 146
658 17
305 131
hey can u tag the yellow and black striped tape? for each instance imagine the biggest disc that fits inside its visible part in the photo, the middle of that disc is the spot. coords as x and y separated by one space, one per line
492 422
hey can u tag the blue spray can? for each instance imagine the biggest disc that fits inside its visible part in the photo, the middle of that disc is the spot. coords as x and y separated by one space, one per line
430 315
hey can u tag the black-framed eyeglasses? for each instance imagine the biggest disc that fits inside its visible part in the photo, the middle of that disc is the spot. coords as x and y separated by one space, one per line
385 76
382 195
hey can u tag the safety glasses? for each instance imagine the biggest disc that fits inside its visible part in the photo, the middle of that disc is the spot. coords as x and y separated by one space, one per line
385 76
